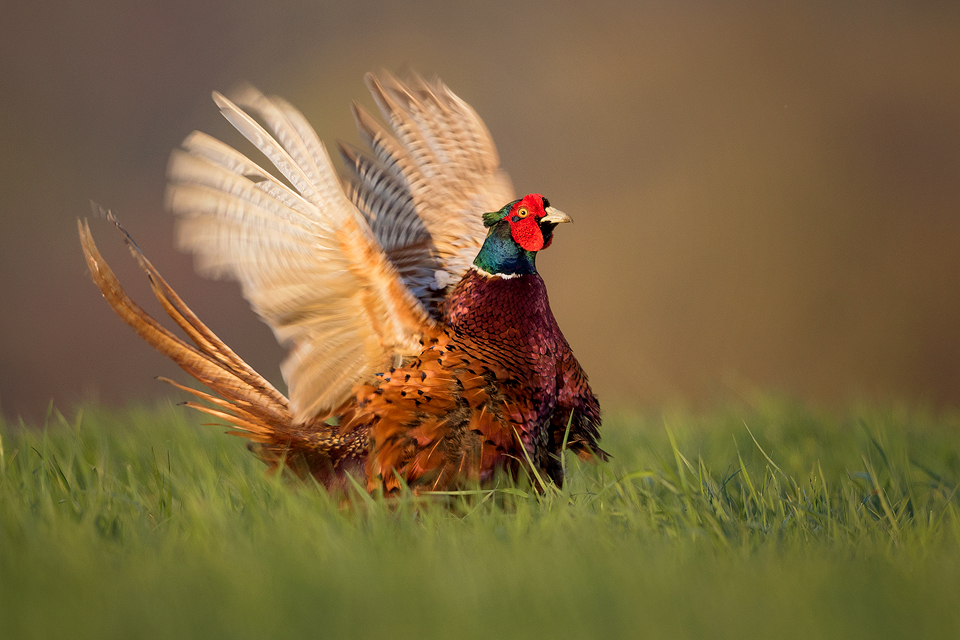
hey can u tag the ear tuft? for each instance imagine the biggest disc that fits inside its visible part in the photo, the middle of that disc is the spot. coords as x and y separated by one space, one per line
492 217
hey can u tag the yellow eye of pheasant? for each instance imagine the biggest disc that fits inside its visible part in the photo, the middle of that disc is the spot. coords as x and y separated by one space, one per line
522 213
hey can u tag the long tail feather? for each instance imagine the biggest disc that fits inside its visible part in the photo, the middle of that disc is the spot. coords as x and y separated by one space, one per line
211 362
244 399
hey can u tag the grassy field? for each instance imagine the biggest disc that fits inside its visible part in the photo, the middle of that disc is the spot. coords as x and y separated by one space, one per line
763 521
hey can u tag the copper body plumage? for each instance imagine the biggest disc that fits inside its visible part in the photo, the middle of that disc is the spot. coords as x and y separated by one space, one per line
407 364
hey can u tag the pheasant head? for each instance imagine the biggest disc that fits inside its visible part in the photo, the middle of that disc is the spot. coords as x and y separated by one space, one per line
516 233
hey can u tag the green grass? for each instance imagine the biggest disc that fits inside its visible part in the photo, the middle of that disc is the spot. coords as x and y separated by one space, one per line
771 521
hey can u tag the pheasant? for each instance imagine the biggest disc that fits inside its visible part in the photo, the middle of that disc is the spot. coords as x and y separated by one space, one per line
423 351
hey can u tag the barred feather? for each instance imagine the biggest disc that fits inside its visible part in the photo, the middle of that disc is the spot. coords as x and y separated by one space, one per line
306 257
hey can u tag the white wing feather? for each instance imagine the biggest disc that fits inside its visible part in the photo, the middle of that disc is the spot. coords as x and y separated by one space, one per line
346 274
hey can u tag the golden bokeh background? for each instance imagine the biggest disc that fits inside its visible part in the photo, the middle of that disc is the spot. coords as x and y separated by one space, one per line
766 195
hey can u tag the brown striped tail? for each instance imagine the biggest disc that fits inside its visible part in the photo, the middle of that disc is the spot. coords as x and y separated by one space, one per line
244 399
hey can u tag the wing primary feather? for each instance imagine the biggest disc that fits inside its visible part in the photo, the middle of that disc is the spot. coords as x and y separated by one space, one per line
347 272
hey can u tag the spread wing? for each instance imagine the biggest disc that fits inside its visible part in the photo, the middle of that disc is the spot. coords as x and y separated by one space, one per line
347 274
422 187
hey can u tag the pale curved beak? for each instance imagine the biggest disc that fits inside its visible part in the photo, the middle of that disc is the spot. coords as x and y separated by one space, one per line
555 216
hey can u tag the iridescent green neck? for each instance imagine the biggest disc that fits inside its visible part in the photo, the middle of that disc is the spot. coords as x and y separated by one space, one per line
501 255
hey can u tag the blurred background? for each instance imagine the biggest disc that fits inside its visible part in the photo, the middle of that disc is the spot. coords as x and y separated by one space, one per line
766 195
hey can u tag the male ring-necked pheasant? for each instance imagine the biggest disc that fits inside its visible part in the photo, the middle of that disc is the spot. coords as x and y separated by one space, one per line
423 348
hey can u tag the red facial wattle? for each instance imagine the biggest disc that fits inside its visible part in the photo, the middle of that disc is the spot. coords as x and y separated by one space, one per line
527 233
523 222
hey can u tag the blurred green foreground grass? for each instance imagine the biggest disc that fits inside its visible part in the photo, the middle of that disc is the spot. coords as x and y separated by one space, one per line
744 522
